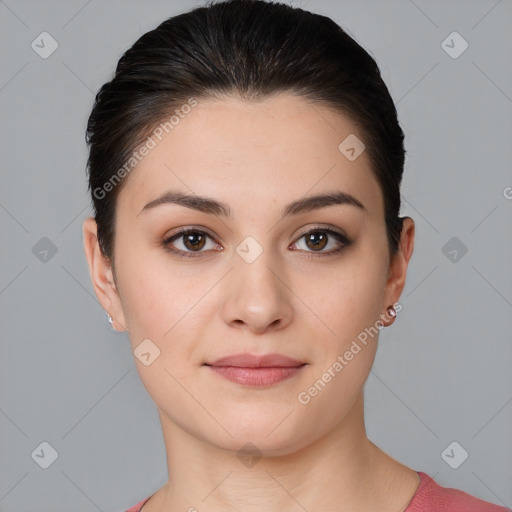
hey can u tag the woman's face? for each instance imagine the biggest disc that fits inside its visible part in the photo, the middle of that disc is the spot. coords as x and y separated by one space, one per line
251 282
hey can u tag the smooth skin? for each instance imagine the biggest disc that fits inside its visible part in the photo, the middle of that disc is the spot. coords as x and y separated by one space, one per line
257 157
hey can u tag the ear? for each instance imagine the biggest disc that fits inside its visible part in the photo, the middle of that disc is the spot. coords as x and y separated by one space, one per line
398 265
102 276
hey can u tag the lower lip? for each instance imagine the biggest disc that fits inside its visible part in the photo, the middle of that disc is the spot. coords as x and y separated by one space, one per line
257 377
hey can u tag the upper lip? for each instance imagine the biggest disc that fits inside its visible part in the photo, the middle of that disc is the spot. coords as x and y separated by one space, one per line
256 361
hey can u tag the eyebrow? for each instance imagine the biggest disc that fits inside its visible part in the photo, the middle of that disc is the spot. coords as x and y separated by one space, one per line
220 209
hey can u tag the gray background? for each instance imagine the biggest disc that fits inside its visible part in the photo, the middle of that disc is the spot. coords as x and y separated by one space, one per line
442 371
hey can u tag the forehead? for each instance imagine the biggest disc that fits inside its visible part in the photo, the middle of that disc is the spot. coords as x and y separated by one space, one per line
282 147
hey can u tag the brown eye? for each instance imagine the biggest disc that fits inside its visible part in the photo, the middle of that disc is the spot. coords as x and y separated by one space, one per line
317 240
192 242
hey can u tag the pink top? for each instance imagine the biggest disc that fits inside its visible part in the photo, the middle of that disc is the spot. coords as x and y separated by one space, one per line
429 497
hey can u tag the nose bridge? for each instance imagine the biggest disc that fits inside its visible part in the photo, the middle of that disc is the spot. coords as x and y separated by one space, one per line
256 295
256 266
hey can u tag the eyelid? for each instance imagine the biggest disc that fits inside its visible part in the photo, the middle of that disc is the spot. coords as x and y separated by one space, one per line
338 233
182 232
322 227
333 232
188 228
301 233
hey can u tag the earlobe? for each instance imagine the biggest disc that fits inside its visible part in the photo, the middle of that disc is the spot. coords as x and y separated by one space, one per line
100 271
398 266
390 315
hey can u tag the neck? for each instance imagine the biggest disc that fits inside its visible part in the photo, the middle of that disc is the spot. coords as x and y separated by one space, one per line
341 471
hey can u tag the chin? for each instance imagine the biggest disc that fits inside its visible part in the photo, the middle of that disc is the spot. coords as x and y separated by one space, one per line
269 435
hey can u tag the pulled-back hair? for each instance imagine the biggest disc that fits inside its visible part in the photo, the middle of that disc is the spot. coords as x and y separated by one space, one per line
251 49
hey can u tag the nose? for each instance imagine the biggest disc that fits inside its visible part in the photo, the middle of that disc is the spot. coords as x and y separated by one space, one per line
256 297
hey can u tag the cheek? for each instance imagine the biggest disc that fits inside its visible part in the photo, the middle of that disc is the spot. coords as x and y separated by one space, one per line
345 301
152 299
349 304
149 286
172 310
160 307
349 307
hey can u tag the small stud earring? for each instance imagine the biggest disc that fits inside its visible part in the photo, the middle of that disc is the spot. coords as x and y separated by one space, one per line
391 311
110 321
390 316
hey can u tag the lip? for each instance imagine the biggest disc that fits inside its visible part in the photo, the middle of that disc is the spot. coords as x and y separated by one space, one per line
256 370
257 361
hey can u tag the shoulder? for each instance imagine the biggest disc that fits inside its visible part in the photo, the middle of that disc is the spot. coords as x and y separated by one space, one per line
428 497
431 496
138 506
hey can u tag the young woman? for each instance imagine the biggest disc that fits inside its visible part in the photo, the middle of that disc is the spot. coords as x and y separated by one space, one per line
245 167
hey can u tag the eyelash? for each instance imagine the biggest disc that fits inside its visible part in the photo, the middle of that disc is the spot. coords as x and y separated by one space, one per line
310 254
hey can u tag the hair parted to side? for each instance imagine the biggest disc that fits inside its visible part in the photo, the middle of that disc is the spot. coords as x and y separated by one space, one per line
249 49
